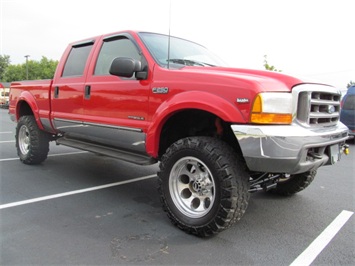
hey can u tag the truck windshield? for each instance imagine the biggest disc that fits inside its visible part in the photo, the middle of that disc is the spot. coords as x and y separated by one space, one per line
182 52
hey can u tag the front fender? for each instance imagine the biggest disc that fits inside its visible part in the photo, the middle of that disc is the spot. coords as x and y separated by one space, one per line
204 101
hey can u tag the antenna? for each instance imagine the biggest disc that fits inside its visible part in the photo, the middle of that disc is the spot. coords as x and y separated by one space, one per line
169 35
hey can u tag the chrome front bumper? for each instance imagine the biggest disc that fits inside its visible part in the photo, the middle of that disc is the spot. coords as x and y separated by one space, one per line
291 148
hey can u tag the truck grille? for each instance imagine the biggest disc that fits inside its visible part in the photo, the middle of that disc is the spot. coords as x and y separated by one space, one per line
318 108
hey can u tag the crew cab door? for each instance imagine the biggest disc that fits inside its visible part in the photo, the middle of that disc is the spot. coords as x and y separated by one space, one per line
68 88
116 108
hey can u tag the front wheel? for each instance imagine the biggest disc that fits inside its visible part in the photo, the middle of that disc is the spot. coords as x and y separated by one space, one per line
203 185
32 144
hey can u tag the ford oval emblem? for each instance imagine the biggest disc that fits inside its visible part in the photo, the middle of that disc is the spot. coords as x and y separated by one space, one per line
331 109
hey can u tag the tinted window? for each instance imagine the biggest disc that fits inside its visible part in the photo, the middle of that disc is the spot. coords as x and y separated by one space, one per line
76 61
349 103
181 51
114 48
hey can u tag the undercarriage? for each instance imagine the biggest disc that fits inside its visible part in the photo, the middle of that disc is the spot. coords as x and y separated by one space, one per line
264 181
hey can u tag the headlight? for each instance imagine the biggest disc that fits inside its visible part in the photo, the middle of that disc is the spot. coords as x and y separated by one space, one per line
272 108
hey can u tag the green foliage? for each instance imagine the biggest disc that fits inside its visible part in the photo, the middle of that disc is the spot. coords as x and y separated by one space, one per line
351 83
4 63
43 69
269 67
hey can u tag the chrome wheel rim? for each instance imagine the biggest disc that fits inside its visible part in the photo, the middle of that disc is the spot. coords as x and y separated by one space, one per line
192 187
24 139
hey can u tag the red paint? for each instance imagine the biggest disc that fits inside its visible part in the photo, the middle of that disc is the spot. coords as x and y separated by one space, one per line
113 100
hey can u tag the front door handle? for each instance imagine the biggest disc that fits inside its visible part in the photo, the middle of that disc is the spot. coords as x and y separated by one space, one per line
56 92
87 91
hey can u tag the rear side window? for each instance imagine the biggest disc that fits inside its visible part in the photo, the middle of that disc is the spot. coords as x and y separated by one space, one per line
76 61
121 47
349 103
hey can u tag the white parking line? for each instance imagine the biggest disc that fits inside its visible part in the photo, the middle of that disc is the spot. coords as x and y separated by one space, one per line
7 141
316 247
50 155
18 203
6 132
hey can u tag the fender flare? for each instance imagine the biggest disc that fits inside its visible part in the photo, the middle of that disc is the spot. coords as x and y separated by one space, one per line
198 100
28 98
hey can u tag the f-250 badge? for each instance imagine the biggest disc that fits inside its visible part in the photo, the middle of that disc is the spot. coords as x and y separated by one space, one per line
160 90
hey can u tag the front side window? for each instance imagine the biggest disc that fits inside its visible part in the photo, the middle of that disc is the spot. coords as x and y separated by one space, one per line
76 61
111 49
181 52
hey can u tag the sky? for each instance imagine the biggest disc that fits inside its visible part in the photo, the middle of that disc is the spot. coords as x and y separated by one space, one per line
312 39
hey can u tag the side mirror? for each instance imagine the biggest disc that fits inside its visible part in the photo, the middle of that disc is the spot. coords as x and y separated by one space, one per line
126 67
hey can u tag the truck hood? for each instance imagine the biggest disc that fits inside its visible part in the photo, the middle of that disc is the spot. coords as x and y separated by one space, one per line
262 79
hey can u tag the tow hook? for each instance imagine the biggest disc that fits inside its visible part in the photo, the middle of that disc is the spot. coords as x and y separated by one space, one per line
345 149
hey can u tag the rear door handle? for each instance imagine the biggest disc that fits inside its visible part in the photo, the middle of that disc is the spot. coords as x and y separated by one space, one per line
87 91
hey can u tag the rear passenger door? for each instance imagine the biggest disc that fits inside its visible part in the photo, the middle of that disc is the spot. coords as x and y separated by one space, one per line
68 89
116 108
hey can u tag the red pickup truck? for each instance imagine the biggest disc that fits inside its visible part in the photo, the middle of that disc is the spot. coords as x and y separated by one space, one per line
219 133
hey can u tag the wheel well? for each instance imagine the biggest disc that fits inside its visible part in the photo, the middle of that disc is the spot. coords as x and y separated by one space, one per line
24 109
194 122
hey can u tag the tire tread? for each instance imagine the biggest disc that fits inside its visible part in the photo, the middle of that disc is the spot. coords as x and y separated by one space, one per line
233 180
39 141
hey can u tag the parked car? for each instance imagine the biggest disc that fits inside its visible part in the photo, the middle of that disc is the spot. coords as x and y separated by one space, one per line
4 94
347 114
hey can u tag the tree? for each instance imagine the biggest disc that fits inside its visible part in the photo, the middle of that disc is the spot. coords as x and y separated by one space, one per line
43 69
351 83
4 63
268 67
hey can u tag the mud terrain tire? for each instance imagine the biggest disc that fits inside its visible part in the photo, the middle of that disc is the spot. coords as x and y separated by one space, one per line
32 144
294 184
203 185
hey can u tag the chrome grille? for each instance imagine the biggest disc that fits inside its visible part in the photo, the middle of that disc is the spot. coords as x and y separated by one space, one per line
318 108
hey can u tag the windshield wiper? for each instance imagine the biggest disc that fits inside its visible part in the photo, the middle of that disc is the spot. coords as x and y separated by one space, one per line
188 62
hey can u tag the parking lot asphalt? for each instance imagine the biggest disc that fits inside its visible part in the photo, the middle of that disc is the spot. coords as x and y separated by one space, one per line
78 208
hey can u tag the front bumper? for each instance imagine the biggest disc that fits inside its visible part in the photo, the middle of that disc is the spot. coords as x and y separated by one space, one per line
289 149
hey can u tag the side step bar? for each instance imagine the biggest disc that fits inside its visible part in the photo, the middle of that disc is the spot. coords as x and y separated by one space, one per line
115 153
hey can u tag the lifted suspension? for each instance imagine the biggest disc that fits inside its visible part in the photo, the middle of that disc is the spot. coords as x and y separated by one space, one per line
263 181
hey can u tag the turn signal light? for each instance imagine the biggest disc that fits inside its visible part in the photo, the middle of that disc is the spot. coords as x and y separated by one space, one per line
272 108
262 118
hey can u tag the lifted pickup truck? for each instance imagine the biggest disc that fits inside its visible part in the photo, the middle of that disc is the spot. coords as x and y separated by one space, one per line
219 133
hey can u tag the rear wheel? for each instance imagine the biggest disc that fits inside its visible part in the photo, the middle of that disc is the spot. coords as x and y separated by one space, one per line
32 144
291 184
203 186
